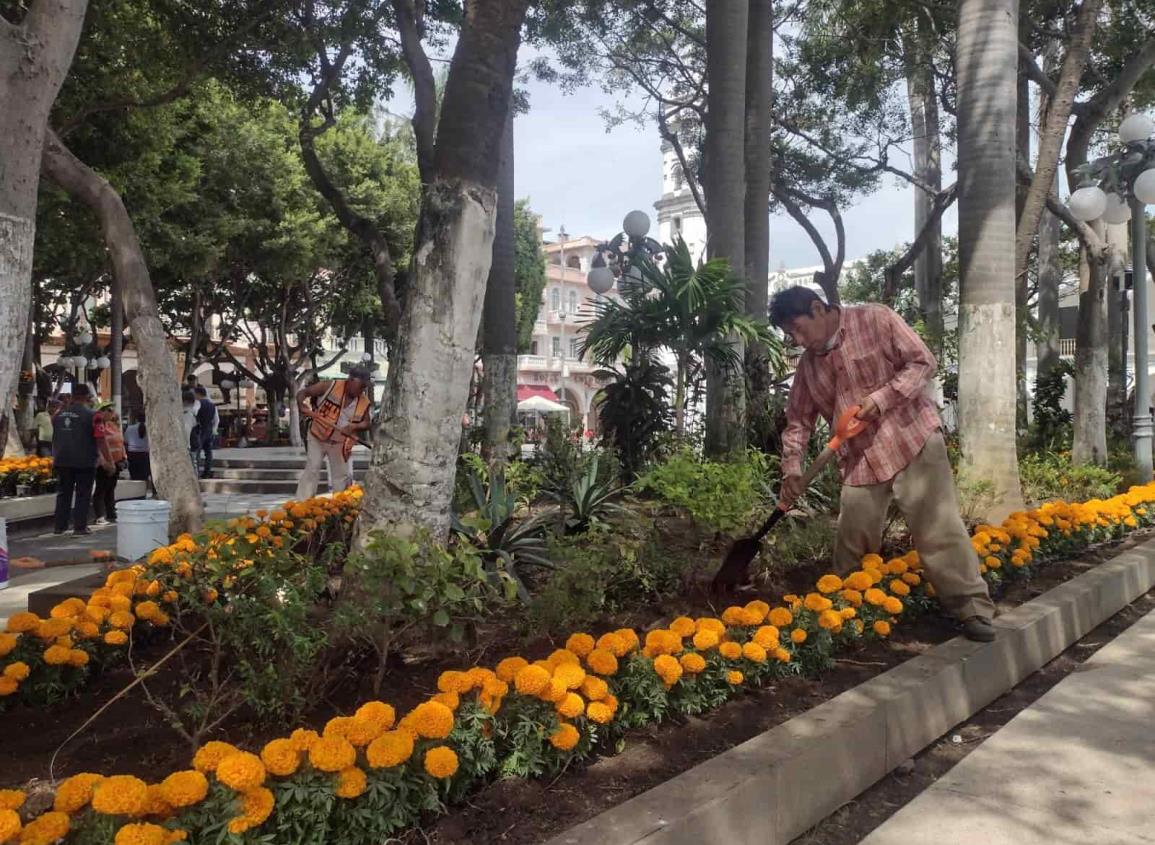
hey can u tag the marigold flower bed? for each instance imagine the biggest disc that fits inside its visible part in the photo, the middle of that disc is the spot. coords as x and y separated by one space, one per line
370 774
30 470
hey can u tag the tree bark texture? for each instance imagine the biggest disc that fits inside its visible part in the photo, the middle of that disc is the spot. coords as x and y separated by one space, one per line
725 187
1090 440
499 317
1023 142
172 470
34 59
987 80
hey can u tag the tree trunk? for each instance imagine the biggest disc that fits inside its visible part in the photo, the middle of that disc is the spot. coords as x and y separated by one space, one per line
172 471
499 320
680 374
1116 338
1090 442
116 347
927 145
725 187
26 409
409 485
1023 143
34 59
759 94
1050 275
987 59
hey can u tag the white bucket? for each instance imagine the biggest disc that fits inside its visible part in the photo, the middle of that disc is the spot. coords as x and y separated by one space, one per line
141 526
3 553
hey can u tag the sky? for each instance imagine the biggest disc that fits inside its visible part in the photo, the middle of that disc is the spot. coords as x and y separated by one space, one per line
577 174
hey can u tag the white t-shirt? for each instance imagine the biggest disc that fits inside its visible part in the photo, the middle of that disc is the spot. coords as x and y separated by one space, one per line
133 442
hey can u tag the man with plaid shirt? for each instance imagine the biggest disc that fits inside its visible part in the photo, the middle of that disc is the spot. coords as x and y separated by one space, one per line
866 355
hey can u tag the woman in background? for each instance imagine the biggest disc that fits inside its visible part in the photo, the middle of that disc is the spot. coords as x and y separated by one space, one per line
136 444
108 466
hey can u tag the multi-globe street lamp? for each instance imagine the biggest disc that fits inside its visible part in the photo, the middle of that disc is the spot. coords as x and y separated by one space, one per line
1118 188
616 259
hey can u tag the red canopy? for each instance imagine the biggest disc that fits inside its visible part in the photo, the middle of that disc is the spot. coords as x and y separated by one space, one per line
528 391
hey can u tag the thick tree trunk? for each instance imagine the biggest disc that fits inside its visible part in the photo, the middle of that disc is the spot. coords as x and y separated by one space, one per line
409 485
759 93
34 59
1050 275
1116 339
1090 442
986 60
116 347
725 186
499 319
26 409
1023 142
172 471
927 147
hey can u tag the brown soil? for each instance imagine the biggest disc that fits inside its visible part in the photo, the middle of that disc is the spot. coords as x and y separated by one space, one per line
130 737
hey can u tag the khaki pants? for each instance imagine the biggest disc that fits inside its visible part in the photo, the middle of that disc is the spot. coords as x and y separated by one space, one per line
340 468
926 496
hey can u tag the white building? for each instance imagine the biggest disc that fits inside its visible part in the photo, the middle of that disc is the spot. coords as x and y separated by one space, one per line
678 213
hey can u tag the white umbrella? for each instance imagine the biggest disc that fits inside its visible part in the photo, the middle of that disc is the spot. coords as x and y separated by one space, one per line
541 405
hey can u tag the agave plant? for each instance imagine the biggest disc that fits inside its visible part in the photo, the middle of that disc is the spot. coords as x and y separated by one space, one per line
589 501
507 546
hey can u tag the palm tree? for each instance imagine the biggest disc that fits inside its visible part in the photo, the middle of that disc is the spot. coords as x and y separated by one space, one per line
987 58
694 311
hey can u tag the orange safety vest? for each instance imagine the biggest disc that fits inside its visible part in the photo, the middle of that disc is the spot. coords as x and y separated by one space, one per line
329 411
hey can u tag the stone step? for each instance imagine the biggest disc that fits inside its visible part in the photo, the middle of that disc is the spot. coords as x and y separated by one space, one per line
276 463
264 474
286 486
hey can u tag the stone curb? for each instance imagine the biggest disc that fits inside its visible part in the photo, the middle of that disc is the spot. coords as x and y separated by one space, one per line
777 785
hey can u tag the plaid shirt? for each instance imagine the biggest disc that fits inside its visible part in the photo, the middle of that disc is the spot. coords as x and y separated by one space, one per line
875 354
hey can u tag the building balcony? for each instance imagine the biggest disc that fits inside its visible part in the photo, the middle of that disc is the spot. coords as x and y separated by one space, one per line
546 364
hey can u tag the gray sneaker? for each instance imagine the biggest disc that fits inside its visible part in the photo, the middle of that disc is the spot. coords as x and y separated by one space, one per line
979 629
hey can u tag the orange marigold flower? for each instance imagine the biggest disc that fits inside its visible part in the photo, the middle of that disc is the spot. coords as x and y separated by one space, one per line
780 617
798 636
75 793
120 795
332 754
241 771
565 737
531 680
829 584
392 748
692 663
602 662
594 688
734 677
881 627
508 668
580 644
351 783
184 789
441 762
730 650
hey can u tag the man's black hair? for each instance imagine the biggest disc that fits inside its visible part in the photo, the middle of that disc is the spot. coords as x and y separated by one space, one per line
200 391
80 391
792 303
187 395
361 374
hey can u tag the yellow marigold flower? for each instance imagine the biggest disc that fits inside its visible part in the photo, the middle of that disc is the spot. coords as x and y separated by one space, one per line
117 602
144 833
734 677
848 613
780 617
629 637
594 688
710 623
9 825
67 609
450 699
281 757
798 636
184 789
22 622
390 749
668 669
615 645
829 584
57 655
817 603
858 581
781 655
875 596
441 762
896 566
479 676
453 681
767 636
351 783
75 793
730 650
560 657
8 686
600 713
241 771
11 799
611 702
871 561
912 578
554 691
169 596
378 713
116 638
87 630
602 662
899 587
572 706
580 644
692 663
120 795
852 597
508 668
8 644
17 671
754 652
663 641
757 610
531 680
831 620
881 627
706 639
734 616
209 755
147 610
45 829
77 657
121 619
50 629
565 737
432 720
892 605
256 807
683 626
333 753
570 675
494 687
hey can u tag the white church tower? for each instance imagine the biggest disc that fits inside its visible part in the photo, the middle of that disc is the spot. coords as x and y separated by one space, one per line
678 214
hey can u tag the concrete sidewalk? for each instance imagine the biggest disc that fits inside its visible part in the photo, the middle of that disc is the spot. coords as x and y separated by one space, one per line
15 598
1077 766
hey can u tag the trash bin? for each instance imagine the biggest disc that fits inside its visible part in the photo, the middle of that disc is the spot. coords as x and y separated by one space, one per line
141 526
3 553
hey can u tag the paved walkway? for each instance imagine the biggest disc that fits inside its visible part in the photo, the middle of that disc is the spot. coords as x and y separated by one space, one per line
1075 768
20 584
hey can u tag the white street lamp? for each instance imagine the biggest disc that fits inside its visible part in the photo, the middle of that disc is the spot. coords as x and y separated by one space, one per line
636 224
227 384
1117 211
1088 203
366 357
103 362
1137 127
84 338
600 279
1144 187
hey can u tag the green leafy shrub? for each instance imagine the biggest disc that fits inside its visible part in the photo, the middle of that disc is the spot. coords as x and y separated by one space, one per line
720 496
1052 475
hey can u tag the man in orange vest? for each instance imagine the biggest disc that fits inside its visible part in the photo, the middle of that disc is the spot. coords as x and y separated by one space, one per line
339 412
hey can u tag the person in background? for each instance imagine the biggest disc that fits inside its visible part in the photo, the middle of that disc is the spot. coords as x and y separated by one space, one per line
340 412
189 420
110 462
136 446
77 443
208 421
43 421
